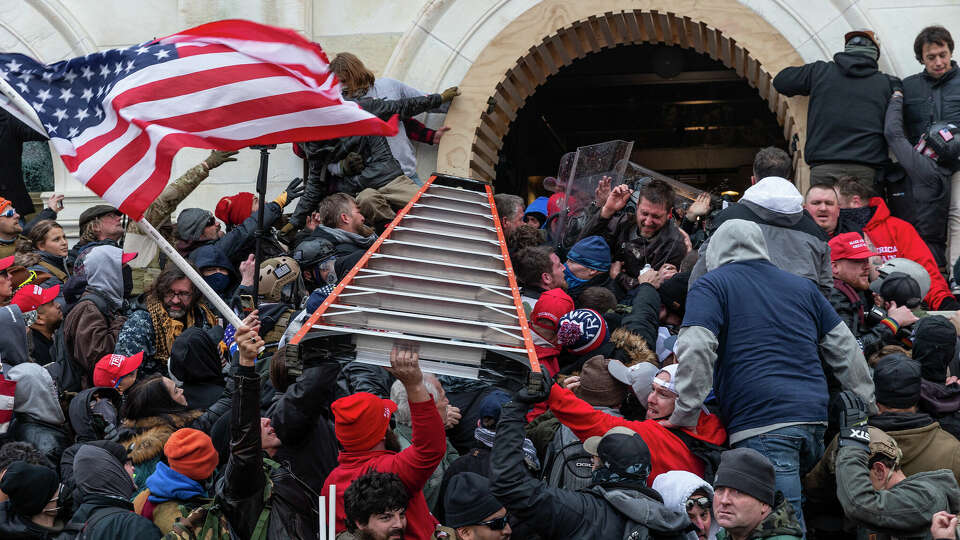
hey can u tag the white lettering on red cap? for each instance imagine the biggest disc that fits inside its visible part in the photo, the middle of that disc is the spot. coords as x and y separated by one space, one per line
116 360
859 243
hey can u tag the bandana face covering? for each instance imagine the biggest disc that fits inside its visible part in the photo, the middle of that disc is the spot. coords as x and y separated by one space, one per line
572 281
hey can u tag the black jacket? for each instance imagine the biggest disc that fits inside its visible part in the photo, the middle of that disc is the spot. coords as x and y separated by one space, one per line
13 133
923 197
112 524
928 100
562 513
380 167
293 509
848 99
49 439
17 527
871 339
302 419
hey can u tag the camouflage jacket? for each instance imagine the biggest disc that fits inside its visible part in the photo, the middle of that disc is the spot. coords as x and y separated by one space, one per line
780 524
171 197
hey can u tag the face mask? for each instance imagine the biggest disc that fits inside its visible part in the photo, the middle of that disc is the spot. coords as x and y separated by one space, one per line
573 281
127 281
218 282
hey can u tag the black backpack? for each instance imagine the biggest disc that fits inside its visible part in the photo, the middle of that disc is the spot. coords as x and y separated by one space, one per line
64 370
708 453
566 464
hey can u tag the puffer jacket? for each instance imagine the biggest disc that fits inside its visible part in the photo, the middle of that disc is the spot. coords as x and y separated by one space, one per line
928 100
780 524
380 167
594 513
848 98
38 418
293 505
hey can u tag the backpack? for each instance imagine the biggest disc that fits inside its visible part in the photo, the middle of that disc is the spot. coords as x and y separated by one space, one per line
213 525
566 464
708 453
64 370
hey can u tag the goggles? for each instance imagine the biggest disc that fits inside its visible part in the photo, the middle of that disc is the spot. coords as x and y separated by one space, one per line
702 502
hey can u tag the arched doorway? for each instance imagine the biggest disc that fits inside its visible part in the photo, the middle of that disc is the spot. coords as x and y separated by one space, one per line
664 49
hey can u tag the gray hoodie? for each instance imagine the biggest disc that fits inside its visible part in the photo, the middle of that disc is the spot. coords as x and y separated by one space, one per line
677 486
796 243
105 274
36 394
13 336
736 240
97 472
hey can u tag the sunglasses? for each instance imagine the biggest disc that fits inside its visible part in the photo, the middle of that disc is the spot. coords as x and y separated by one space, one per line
8 213
702 502
496 524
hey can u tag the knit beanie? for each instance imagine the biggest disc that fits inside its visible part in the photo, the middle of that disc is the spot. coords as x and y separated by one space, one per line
30 487
747 470
896 379
934 346
597 386
582 331
190 452
468 500
236 208
592 252
360 420
191 223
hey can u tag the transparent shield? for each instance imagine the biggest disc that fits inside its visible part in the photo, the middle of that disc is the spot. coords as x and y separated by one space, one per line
578 175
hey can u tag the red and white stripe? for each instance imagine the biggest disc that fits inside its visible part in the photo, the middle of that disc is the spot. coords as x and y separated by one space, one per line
7 392
235 84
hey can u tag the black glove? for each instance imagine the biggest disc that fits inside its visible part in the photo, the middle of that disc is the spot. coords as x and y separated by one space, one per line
352 164
895 84
537 389
850 413
295 189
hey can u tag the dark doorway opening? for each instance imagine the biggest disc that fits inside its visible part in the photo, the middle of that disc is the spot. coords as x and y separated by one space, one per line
690 117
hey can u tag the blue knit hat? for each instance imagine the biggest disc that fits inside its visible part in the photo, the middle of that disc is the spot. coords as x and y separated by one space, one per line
592 252
582 331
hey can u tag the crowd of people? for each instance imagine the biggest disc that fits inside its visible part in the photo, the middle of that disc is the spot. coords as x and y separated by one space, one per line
759 369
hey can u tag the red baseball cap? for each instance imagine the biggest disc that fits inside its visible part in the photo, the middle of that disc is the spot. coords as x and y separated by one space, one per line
849 246
6 262
360 420
127 257
113 367
31 297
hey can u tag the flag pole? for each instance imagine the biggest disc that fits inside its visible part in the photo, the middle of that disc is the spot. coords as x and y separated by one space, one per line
215 301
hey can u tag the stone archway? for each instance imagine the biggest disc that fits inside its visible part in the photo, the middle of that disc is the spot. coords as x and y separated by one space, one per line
498 75
602 32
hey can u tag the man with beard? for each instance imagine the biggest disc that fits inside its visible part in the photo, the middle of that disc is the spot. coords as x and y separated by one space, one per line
852 300
342 224
100 225
538 270
361 422
376 507
168 307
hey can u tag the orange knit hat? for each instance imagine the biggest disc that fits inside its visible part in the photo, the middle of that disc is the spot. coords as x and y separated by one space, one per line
190 452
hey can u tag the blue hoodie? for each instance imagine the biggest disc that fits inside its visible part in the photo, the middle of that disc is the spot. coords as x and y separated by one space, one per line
166 484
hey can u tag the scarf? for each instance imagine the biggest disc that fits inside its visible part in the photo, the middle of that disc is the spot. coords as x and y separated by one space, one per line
167 329
573 282
486 436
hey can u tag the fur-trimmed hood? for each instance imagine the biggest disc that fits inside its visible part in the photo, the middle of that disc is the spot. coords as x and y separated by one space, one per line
144 438
634 346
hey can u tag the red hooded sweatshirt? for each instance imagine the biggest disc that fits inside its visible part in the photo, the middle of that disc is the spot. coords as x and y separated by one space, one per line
667 451
893 237
414 465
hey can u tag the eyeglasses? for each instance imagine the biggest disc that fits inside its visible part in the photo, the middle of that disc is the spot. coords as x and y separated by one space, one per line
496 524
183 296
702 502
8 213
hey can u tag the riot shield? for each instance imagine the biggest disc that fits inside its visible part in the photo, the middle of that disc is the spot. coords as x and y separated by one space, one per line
578 174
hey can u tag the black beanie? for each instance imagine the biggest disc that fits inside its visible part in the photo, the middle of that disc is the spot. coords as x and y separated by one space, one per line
896 379
746 470
934 344
468 500
673 292
30 487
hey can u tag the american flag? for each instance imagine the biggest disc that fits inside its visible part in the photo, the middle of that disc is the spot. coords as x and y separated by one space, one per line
118 117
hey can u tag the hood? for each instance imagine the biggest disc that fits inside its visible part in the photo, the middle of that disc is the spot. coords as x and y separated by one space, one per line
340 236
896 421
191 223
36 394
677 486
194 358
934 345
736 240
97 472
855 65
82 418
167 484
881 211
775 194
209 256
939 399
645 510
104 272
13 336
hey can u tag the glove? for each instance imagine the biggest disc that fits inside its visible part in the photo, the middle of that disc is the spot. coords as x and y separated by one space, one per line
896 85
293 191
352 164
447 95
537 389
218 158
850 413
